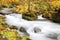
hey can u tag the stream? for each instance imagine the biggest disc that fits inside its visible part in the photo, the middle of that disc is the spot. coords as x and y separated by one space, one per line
49 30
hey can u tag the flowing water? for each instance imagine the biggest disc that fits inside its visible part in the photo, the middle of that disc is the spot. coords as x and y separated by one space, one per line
47 27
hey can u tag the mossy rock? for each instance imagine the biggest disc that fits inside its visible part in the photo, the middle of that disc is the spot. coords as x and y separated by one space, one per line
13 27
29 16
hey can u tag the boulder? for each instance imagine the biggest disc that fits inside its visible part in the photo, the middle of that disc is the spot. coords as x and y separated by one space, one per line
52 35
36 30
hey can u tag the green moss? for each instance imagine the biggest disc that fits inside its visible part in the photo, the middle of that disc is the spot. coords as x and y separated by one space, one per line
29 16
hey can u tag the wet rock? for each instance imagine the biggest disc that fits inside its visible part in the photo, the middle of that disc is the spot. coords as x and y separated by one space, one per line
29 16
13 27
52 35
22 29
36 30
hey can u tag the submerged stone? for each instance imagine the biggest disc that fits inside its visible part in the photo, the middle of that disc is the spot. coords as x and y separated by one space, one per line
36 30
52 35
